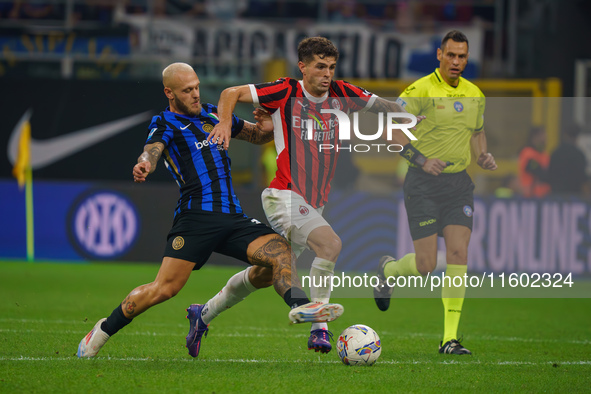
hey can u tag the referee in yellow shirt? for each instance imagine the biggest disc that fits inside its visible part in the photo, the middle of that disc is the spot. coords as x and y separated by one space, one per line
438 193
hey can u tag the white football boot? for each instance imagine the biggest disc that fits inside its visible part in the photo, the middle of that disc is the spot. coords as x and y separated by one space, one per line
93 341
315 312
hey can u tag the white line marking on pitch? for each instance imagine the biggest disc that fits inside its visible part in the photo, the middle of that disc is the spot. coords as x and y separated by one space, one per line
255 361
155 334
238 332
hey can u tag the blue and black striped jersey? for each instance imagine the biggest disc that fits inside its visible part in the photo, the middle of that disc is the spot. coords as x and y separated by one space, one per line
201 169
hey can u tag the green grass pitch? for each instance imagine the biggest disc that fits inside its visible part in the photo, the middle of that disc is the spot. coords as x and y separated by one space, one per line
523 345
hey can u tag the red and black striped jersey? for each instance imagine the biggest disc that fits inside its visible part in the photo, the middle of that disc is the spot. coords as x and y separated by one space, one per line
301 165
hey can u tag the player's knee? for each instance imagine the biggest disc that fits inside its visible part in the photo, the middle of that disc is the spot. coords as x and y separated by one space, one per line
274 251
457 256
331 248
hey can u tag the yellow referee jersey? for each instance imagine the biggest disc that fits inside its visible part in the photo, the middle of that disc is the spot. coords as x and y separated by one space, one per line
453 114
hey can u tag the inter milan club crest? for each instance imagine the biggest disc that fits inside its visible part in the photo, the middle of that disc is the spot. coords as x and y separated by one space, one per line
458 106
207 127
303 210
178 243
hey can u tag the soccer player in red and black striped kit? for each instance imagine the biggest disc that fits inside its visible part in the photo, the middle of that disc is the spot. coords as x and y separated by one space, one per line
295 199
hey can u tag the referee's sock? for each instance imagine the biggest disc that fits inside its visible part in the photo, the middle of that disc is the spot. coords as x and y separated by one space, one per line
453 299
406 266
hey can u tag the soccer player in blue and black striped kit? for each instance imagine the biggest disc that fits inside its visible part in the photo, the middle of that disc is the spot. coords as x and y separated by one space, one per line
207 218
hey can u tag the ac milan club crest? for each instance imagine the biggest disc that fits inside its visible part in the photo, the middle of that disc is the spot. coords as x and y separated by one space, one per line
303 210
336 104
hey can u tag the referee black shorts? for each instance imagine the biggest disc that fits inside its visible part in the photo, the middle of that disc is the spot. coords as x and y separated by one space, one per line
433 202
195 235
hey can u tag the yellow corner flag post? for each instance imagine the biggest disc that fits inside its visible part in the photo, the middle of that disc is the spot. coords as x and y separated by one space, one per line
24 175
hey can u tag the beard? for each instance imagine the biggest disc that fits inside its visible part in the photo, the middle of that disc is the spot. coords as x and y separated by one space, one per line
184 108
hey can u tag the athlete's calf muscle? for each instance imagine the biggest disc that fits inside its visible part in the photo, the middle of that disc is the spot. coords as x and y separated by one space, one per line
260 277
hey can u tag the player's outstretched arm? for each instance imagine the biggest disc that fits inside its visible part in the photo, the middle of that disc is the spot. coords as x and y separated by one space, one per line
479 147
146 163
401 135
383 105
253 134
259 133
222 132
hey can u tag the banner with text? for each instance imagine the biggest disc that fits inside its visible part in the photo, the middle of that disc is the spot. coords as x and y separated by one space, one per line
240 49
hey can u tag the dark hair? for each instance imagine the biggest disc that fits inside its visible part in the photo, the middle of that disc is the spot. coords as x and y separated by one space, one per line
454 35
320 46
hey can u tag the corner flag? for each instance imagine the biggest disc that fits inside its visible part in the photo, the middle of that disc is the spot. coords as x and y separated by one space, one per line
23 159
24 175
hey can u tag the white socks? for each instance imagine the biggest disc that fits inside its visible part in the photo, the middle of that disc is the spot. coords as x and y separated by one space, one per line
321 273
237 288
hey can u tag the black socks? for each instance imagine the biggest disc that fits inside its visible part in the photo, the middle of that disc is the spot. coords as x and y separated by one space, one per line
295 297
115 322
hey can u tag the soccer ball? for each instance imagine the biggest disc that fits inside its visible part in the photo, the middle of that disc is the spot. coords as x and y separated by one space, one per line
359 345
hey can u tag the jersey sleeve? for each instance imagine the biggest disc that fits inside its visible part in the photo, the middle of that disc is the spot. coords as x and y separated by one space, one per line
270 95
480 116
411 99
237 125
159 131
358 98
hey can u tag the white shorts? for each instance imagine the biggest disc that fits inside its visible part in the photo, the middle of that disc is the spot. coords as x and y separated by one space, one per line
292 217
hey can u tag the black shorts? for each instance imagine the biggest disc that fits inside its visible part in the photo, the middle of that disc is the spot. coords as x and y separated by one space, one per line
195 235
433 202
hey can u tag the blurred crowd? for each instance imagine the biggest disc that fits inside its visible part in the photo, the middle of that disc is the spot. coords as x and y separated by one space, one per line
563 172
540 173
401 15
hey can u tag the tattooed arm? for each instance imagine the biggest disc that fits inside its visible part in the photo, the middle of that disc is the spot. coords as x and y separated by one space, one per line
259 133
254 134
146 163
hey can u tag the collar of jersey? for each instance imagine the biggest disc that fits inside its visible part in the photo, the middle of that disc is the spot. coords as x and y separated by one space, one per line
442 81
313 99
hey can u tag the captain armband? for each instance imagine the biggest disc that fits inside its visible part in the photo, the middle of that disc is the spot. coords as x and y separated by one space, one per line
413 155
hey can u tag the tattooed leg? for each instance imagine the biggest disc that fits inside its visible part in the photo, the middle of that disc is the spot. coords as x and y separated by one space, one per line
128 305
274 251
